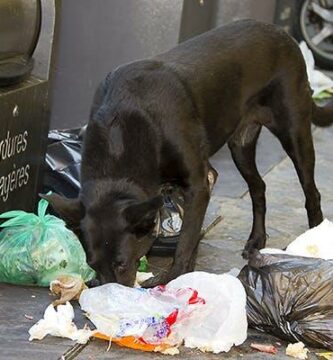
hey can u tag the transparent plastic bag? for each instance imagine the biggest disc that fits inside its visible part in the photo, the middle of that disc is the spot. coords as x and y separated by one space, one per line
147 314
36 249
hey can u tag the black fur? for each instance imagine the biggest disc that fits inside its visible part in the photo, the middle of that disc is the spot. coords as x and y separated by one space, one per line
159 120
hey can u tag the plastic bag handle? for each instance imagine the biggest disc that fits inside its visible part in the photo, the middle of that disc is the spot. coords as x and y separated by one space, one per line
42 206
12 214
20 217
26 219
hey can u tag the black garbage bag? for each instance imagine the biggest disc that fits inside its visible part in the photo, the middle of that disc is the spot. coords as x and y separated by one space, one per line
62 172
290 297
63 162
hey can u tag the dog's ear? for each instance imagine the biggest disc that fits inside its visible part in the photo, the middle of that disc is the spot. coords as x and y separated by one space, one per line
70 210
141 216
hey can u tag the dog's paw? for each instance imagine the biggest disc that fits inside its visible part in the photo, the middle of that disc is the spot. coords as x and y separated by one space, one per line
247 253
252 246
155 281
165 277
161 279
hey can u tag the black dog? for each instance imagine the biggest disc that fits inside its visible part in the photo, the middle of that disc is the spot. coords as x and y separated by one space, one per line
159 120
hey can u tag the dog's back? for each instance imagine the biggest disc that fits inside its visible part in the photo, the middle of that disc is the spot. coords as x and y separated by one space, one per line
227 67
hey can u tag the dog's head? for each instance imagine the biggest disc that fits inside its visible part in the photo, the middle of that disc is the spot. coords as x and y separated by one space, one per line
115 232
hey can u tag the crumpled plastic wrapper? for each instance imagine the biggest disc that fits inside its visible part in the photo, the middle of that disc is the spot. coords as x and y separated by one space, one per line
60 323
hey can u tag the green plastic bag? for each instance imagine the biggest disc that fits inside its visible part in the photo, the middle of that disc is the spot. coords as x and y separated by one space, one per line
36 249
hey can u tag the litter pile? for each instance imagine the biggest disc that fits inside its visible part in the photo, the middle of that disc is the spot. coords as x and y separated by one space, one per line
287 293
201 310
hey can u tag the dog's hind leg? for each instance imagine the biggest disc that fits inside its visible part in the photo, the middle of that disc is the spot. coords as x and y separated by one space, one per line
243 150
292 126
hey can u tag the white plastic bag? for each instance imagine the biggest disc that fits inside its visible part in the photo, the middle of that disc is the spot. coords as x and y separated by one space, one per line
316 242
318 80
222 322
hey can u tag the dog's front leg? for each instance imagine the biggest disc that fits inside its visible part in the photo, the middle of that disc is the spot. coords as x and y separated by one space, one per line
196 202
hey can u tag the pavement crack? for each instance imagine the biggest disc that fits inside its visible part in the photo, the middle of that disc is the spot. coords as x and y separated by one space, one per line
72 352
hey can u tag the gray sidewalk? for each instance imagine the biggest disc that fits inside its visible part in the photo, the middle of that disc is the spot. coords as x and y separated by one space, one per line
219 252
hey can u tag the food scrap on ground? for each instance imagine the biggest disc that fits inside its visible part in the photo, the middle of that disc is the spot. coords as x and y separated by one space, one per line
269 349
67 287
298 351
170 351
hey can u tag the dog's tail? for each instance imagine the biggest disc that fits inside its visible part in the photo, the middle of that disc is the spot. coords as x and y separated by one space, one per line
322 115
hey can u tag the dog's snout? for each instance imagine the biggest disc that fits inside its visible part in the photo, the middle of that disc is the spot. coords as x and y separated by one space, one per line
124 271
120 267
